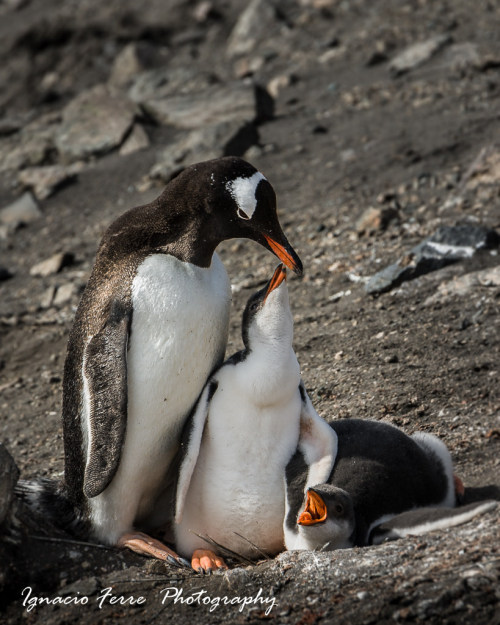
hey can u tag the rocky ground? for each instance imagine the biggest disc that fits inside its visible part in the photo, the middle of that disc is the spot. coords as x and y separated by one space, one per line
377 124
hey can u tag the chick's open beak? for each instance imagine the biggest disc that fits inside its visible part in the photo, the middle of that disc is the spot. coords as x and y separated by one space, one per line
314 511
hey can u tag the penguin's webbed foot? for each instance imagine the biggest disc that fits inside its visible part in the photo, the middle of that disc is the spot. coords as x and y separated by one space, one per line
146 545
206 561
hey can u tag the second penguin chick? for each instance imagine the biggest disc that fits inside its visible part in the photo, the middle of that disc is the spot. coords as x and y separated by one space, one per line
249 421
381 477
328 521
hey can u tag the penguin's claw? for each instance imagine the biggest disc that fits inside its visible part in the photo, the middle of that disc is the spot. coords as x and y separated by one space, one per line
148 546
171 560
206 561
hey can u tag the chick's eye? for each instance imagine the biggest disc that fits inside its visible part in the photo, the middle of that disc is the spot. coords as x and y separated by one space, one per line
339 508
254 306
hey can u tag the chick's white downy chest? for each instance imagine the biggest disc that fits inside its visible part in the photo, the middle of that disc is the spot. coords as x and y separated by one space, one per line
238 482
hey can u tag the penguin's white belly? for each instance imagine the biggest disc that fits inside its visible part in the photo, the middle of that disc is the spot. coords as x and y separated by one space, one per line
238 481
178 335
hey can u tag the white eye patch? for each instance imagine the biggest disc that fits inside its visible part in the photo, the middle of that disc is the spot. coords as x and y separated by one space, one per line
243 191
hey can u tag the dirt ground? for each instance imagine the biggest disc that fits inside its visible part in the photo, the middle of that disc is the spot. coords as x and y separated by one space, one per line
351 130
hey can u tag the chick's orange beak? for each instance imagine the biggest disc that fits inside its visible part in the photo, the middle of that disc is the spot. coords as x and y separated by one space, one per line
278 276
314 511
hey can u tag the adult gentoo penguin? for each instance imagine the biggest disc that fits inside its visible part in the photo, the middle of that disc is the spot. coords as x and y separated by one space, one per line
251 417
151 326
379 473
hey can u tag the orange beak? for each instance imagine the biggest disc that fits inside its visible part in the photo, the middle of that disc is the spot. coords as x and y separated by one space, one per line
278 276
289 257
314 511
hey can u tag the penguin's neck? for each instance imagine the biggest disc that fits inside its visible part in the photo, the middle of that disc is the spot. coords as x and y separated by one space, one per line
192 242
192 248
149 230
270 371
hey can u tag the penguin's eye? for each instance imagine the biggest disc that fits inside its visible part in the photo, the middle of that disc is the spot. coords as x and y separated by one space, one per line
339 508
254 306
242 214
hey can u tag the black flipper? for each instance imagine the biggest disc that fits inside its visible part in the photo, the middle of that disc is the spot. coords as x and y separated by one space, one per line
106 374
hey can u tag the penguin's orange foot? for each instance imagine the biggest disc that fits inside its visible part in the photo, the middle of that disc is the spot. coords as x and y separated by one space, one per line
148 546
205 561
459 488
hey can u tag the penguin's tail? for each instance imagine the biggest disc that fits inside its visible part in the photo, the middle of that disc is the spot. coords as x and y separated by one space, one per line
423 520
49 506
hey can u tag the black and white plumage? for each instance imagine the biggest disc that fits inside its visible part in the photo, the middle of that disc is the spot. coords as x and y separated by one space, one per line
151 326
249 421
379 473
423 520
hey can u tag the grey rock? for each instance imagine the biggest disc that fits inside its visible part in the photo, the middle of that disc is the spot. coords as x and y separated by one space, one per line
447 245
224 139
48 297
63 294
242 102
11 125
465 285
95 122
203 10
29 147
52 265
278 83
418 54
376 219
247 31
462 55
164 82
44 181
127 64
23 211
248 66
136 140
485 169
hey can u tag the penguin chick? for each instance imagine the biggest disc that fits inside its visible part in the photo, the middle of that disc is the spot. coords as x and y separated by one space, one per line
249 421
327 521
383 473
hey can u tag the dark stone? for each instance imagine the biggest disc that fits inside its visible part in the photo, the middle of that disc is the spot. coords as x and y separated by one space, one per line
376 58
5 274
465 235
447 245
